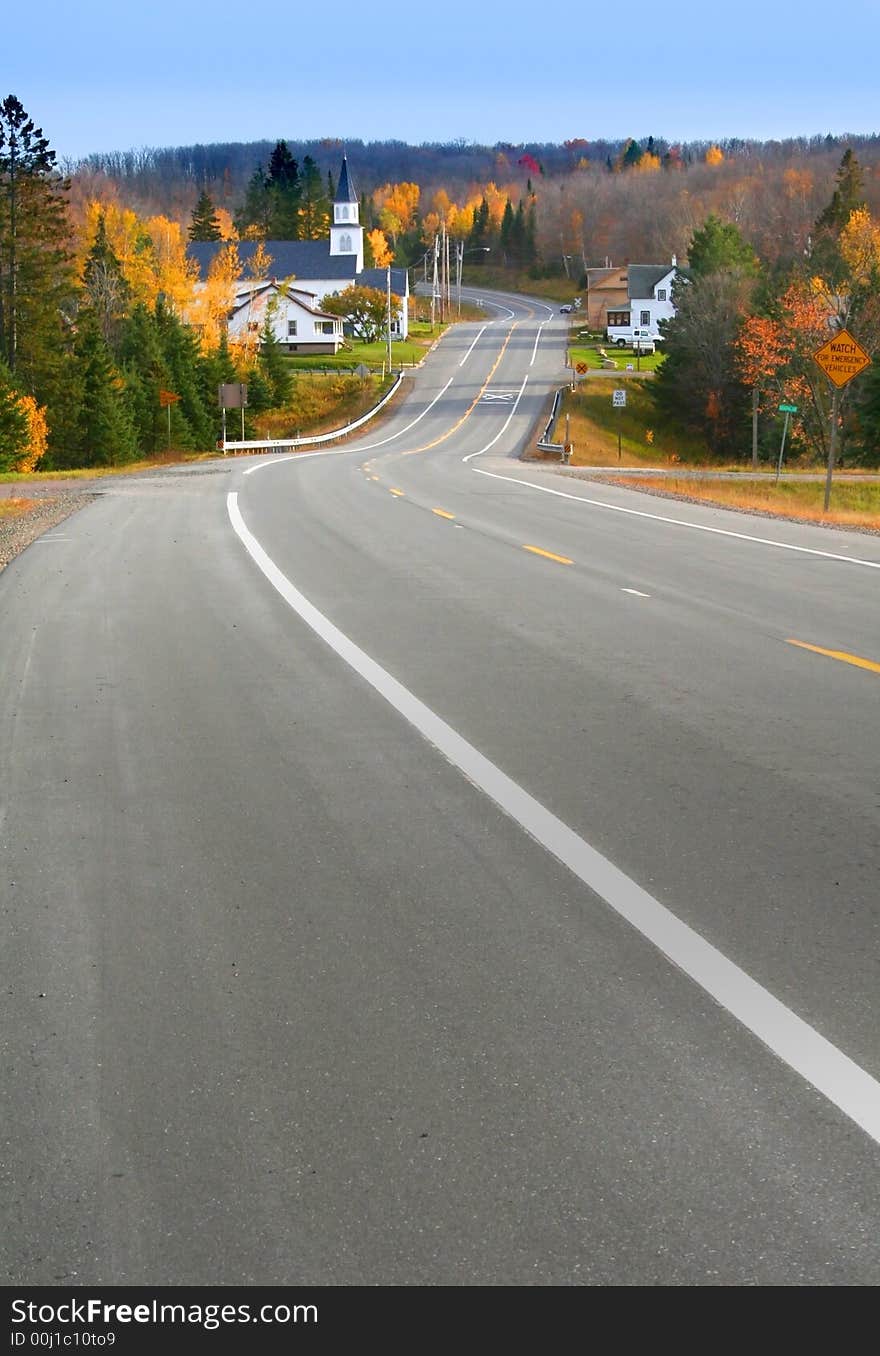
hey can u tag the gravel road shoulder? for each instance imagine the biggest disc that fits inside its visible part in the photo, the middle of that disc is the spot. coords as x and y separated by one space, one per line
17 531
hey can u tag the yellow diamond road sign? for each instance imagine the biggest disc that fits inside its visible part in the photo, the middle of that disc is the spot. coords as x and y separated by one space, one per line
842 358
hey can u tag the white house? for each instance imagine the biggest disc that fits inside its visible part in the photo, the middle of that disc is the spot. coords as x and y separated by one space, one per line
297 321
649 292
320 267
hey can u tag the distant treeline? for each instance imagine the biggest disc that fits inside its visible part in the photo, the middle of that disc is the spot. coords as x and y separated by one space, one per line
230 164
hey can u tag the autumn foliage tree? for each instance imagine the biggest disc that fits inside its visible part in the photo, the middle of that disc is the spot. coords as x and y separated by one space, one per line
365 309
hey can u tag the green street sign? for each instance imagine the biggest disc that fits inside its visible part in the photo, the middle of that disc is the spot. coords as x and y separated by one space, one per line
788 409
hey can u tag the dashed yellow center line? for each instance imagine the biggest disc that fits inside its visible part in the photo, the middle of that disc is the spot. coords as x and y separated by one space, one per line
411 452
441 513
393 491
549 555
842 655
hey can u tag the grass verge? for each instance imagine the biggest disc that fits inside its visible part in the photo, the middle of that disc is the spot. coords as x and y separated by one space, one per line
595 424
852 505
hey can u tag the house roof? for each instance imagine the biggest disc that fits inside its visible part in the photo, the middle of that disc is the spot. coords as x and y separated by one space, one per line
605 277
643 278
345 190
300 299
378 277
301 259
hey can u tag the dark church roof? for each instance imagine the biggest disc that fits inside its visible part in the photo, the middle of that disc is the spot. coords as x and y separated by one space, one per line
378 277
345 192
305 259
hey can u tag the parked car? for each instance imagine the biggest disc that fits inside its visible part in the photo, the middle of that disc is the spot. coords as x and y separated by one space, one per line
565 310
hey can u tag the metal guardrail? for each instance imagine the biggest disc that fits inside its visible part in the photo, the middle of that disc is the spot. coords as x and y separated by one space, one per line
279 444
543 443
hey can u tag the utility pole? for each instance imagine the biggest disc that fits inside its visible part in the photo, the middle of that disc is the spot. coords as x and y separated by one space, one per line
434 292
389 320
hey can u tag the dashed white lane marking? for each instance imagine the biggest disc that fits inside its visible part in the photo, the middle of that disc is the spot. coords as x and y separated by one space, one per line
800 1046
637 592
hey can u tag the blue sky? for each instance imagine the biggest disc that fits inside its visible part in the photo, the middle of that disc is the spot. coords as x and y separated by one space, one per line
109 76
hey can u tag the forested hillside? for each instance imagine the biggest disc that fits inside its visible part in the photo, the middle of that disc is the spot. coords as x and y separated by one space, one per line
638 200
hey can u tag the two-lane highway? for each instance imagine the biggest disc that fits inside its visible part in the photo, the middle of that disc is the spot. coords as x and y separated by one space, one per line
423 868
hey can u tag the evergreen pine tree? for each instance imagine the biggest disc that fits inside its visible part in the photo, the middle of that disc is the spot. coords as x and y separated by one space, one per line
274 366
255 214
105 433
847 197
193 420
107 291
506 239
36 276
315 208
204 224
285 194
146 374
13 423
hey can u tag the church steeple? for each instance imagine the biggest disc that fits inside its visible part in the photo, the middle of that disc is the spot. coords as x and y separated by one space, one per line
346 232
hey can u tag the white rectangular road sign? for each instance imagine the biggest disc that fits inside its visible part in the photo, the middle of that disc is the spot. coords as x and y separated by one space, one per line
618 398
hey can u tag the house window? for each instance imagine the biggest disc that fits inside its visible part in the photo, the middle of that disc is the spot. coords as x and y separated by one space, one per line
325 326
345 244
646 318
291 329
618 318
661 293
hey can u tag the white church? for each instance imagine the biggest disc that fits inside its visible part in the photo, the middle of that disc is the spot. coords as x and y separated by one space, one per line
312 270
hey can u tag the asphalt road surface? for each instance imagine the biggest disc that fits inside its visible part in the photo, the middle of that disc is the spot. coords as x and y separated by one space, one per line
421 868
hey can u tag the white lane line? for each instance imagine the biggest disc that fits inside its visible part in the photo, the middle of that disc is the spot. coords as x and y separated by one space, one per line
470 350
800 1046
503 426
638 593
537 337
361 447
678 522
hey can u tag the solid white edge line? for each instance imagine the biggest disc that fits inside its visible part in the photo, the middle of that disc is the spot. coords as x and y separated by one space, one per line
361 447
537 337
677 522
470 350
471 455
794 1041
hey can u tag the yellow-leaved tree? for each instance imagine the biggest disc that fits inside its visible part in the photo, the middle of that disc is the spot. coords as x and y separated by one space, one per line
151 254
214 299
382 255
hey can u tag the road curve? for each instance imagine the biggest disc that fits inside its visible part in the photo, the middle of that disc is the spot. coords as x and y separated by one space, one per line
353 808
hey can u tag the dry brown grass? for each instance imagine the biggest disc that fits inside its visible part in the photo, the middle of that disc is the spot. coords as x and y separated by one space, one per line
320 404
16 508
852 505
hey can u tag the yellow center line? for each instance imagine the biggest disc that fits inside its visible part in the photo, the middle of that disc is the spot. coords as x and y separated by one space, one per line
837 654
411 452
441 513
562 560
397 492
